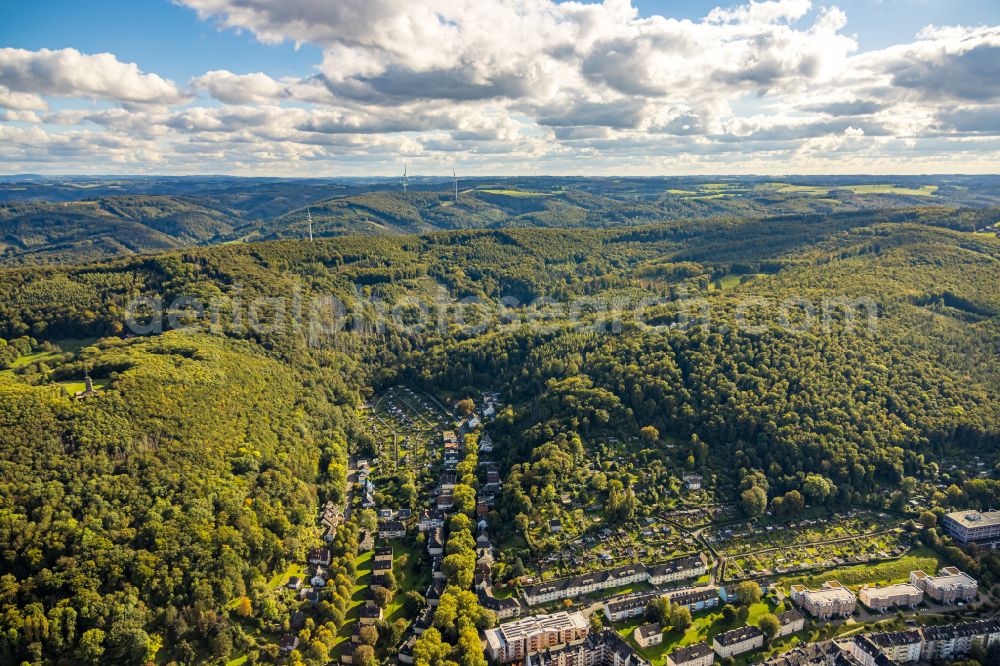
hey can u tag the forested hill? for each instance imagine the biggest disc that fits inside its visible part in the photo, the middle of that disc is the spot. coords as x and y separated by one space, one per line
138 519
78 231
56 222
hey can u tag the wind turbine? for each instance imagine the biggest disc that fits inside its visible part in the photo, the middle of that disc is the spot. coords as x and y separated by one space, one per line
406 181
309 216
455 180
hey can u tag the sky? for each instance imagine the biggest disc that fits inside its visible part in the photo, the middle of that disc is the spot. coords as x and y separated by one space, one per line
499 87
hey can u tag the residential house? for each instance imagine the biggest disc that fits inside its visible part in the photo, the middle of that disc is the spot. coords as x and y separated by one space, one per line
319 556
370 615
435 542
392 530
648 635
790 622
738 641
319 578
697 654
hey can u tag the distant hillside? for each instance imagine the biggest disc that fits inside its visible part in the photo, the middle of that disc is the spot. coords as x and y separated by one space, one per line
38 232
91 220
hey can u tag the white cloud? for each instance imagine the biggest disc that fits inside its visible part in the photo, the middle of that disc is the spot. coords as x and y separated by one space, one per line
574 85
69 73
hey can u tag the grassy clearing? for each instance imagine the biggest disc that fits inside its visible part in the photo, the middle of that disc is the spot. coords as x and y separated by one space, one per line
78 386
364 564
705 627
517 193
925 191
281 578
884 573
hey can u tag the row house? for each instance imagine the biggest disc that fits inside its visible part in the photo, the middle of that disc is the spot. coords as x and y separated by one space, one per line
953 641
900 646
571 588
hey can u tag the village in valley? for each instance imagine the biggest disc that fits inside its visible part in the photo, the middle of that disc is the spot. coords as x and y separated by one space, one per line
418 540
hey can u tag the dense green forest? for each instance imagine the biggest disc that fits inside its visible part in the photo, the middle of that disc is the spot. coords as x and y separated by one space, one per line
137 519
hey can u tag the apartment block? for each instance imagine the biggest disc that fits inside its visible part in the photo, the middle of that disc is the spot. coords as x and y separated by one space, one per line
949 586
513 641
883 599
832 600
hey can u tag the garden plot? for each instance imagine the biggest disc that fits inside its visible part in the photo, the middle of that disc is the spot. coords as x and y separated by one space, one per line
767 550
647 540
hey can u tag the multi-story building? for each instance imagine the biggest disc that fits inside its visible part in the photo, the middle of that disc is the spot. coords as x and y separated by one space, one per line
513 641
698 654
790 621
681 568
570 588
949 586
900 646
738 641
605 648
981 527
864 653
832 600
948 642
882 599
696 598
624 608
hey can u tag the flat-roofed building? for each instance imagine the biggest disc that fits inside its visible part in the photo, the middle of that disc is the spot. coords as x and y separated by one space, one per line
982 527
949 586
882 599
738 641
698 654
832 600
513 641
